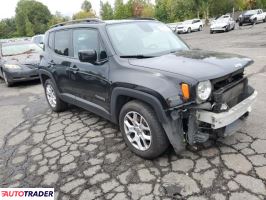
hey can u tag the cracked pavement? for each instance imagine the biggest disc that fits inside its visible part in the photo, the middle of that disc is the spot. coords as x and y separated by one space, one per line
84 157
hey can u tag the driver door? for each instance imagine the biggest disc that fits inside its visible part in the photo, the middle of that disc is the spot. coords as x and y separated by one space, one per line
89 80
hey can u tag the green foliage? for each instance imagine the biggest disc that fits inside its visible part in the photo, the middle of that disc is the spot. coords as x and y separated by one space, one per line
31 18
106 11
57 18
86 6
8 28
86 11
119 11
83 15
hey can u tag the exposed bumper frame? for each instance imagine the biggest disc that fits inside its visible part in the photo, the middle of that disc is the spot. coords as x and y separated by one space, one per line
219 120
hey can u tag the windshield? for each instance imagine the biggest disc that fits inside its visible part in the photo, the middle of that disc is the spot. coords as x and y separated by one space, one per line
17 49
188 22
223 18
251 12
144 38
37 39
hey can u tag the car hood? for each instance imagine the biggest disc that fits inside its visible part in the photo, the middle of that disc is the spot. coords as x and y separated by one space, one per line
23 59
197 64
183 25
221 23
248 15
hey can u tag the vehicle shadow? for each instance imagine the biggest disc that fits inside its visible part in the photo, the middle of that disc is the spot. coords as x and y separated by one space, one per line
23 84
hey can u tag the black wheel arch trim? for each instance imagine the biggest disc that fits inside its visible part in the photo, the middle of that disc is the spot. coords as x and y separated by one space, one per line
139 95
46 73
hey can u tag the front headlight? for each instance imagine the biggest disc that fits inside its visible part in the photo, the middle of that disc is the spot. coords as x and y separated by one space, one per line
204 90
11 66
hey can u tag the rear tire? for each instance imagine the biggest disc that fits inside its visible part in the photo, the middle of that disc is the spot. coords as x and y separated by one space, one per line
240 24
211 32
55 103
264 19
141 130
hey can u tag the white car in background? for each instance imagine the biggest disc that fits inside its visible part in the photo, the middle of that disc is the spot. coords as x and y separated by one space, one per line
224 23
172 26
189 26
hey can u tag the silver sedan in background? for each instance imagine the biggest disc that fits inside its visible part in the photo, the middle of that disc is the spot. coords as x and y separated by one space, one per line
224 23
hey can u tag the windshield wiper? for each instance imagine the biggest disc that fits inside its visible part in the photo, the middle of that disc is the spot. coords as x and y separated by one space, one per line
136 56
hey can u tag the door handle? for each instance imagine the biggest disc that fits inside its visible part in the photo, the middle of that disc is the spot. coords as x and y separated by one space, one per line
74 68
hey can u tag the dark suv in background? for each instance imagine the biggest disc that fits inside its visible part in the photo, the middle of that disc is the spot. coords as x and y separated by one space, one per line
142 76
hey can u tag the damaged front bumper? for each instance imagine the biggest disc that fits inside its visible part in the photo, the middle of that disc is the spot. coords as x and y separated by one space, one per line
219 120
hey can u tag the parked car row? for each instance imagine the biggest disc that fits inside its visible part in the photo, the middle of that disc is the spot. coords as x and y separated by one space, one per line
222 23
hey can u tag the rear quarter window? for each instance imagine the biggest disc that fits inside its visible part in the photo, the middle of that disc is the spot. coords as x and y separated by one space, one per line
51 40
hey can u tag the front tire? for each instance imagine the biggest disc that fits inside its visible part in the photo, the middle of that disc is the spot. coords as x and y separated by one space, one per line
200 28
7 82
255 21
189 30
264 19
142 131
55 103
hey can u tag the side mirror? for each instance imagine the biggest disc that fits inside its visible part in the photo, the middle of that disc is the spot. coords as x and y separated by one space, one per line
89 56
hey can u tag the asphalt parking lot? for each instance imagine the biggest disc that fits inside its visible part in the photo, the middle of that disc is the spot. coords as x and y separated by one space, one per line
84 157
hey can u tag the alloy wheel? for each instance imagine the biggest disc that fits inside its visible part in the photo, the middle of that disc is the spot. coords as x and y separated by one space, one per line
50 94
137 131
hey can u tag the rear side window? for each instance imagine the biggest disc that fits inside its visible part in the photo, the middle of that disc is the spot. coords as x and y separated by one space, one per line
51 40
62 42
85 39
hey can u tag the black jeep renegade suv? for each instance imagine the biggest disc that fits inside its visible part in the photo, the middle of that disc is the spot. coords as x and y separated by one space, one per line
142 76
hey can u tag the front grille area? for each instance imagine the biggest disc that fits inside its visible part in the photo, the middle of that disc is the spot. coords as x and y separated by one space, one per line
227 80
229 90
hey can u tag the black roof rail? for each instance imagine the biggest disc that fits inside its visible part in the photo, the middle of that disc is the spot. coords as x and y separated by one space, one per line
143 18
87 20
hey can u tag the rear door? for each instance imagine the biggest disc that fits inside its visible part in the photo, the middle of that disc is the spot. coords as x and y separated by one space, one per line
61 59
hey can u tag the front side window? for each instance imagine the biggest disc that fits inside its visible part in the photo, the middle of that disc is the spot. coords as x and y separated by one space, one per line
62 42
85 39
144 38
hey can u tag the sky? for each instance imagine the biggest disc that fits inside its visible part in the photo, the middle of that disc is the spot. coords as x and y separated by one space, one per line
66 7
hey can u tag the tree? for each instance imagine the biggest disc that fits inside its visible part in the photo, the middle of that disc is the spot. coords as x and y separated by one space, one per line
119 11
86 6
57 18
31 18
8 28
106 11
86 11
83 15
148 10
